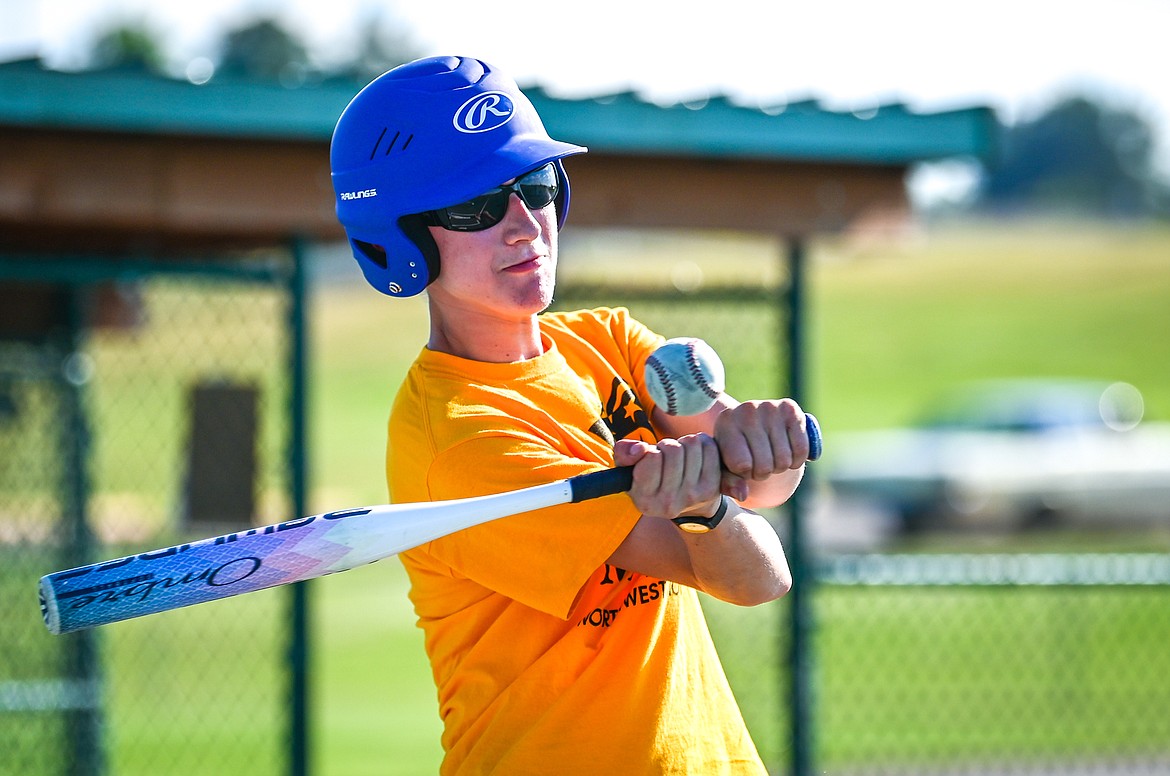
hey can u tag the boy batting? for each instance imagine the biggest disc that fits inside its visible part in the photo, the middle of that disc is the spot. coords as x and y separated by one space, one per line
567 639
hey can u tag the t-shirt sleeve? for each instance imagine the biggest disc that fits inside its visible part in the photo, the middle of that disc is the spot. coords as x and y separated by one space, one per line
540 558
636 342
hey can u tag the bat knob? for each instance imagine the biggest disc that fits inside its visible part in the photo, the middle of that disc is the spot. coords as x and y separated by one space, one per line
816 444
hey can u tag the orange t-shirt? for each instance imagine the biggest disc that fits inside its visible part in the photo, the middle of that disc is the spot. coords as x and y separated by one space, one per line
546 658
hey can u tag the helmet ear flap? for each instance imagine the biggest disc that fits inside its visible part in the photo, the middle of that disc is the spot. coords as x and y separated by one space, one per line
415 229
395 271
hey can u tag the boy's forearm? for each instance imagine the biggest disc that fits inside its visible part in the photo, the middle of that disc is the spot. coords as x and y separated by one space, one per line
742 561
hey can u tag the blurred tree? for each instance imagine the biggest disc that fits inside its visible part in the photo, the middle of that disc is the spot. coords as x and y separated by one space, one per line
265 50
1080 157
128 45
384 42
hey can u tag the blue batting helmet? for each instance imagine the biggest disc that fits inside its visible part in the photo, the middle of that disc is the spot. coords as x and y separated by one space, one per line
427 135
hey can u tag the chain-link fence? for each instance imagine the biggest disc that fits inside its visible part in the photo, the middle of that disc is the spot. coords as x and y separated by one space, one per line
934 664
994 663
140 407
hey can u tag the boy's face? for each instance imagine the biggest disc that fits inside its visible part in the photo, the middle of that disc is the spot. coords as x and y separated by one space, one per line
508 270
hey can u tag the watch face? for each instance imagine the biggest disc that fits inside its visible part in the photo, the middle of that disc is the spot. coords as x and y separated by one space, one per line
692 524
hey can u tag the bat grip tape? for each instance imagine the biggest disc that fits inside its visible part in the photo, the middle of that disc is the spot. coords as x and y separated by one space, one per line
603 483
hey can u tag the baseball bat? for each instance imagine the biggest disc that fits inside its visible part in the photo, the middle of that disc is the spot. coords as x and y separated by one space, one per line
294 551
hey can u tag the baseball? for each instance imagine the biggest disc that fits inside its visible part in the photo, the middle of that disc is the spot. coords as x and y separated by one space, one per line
684 376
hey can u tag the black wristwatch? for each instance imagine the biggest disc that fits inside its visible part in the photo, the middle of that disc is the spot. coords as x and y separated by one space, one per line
694 524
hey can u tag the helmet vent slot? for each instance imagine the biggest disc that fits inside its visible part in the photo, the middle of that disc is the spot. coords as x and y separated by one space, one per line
390 146
375 253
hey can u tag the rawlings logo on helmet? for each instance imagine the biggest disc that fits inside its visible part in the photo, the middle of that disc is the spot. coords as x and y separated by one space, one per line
484 112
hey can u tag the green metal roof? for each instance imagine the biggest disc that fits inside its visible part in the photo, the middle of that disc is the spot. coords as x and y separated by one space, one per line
127 101
717 127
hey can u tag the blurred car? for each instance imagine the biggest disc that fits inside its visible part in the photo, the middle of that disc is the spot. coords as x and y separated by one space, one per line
1013 453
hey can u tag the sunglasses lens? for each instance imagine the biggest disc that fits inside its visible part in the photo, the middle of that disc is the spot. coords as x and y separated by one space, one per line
537 189
482 212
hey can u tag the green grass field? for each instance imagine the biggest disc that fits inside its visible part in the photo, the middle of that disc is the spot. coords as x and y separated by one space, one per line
893 324
895 327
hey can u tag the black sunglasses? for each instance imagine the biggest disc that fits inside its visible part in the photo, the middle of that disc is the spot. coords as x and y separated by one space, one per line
535 189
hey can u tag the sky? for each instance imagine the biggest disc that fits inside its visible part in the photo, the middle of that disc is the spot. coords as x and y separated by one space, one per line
1016 56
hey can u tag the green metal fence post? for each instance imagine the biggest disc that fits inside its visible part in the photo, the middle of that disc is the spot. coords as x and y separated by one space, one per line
83 719
299 637
800 562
